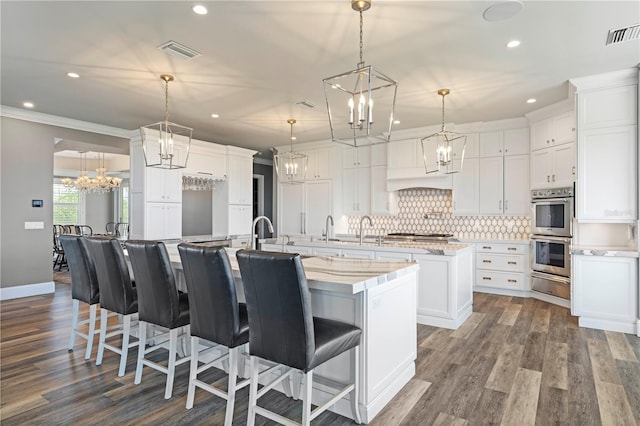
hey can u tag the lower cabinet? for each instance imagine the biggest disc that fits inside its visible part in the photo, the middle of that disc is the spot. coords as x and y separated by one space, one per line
162 221
240 219
502 266
604 292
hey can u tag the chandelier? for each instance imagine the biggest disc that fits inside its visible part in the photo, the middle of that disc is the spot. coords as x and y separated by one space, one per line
350 97
291 167
99 184
443 152
165 144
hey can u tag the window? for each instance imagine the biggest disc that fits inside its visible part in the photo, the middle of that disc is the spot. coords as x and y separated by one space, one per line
67 205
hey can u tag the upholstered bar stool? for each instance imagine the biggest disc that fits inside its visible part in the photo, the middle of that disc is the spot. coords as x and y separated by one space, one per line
282 329
159 304
117 295
216 316
84 287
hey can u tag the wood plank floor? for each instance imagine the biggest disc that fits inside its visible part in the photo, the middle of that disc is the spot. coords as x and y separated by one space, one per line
514 362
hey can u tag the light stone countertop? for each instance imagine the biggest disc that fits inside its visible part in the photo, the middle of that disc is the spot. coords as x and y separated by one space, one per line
604 251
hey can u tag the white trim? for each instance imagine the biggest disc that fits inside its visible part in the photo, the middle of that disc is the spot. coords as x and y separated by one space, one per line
452 324
622 77
524 293
69 123
602 324
7 293
263 161
566 105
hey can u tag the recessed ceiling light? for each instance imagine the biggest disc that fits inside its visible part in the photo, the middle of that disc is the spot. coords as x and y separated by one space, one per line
531 100
293 138
502 10
513 43
215 116
73 75
396 121
28 104
199 9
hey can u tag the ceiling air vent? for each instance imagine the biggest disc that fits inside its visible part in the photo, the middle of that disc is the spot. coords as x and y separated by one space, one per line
623 34
174 48
306 104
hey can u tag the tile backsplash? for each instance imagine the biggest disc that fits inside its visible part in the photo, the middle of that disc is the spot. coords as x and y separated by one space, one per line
436 204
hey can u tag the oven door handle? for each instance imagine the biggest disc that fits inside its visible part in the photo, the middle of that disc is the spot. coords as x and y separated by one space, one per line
550 238
550 277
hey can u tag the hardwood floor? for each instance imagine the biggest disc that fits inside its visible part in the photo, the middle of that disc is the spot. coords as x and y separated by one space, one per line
514 362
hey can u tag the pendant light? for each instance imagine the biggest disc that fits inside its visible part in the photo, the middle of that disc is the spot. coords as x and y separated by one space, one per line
291 167
443 152
165 144
350 99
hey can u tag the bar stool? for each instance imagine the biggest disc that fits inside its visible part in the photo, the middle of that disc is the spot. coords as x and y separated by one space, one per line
84 287
216 316
159 304
283 330
117 295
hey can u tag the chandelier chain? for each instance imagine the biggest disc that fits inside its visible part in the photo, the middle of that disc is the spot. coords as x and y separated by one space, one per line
361 64
443 112
166 100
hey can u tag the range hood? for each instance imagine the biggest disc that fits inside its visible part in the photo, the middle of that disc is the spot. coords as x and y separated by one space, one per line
396 183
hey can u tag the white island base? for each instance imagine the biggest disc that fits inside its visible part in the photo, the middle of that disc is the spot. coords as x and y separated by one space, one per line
377 296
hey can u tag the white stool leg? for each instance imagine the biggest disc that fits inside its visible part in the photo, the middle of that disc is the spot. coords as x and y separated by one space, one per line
126 332
355 376
103 332
171 367
241 360
142 344
92 329
74 323
193 371
296 378
253 392
306 401
231 389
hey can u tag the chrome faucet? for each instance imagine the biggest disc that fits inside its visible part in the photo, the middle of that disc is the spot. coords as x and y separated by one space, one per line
253 230
326 227
288 240
361 223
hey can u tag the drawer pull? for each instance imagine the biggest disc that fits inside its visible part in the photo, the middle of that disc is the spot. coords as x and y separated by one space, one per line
512 281
486 278
486 247
486 261
512 248
512 263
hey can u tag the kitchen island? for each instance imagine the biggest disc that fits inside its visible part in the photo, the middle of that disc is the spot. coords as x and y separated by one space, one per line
377 296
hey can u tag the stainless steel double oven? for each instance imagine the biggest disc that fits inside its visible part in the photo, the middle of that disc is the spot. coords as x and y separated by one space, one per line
552 217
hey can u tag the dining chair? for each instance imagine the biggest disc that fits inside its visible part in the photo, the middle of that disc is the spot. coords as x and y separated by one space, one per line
60 260
216 316
84 287
84 230
117 295
110 228
283 330
160 305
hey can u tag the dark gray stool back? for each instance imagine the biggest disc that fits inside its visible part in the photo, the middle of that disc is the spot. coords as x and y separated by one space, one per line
84 281
116 291
213 303
279 307
158 299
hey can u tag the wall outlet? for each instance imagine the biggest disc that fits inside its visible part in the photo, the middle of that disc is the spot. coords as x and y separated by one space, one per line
34 225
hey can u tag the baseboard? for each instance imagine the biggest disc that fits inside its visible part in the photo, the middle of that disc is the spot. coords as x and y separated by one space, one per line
451 324
7 293
502 291
602 324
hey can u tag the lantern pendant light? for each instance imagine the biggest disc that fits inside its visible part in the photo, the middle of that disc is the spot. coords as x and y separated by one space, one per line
291 167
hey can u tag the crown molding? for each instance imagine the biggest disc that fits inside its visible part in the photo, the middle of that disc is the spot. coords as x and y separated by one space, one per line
610 79
263 161
69 123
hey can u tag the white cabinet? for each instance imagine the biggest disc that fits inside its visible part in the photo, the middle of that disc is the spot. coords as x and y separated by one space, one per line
290 209
240 219
553 167
318 206
319 163
502 266
393 256
405 154
356 157
303 208
607 175
466 188
608 107
504 185
356 191
383 202
552 131
504 142
207 161
162 221
605 292
358 254
491 185
240 180
163 185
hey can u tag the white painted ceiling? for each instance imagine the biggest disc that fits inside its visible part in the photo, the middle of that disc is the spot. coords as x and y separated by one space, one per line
261 57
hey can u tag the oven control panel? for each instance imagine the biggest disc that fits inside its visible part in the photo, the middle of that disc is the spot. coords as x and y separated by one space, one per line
538 194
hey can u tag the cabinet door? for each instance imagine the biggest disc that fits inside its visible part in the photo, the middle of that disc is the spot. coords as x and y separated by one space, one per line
173 220
290 209
173 186
491 143
564 165
611 107
154 222
516 141
240 180
323 163
466 188
541 134
356 191
563 128
541 168
472 147
607 175
240 220
402 154
382 201
318 206
379 154
358 254
154 184
516 185
356 157
393 256
491 178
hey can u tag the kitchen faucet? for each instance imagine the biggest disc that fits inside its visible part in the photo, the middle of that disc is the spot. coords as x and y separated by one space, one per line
253 230
326 227
361 223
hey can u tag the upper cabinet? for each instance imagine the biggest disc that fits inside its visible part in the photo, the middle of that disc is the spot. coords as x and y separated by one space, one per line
163 185
211 162
553 167
552 131
609 107
504 142
240 180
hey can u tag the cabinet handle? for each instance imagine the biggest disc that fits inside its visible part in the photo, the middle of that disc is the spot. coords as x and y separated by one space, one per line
512 263
547 141
506 150
506 204
486 278
500 205
573 170
553 140
301 223
486 247
512 281
553 178
512 248
486 261
548 180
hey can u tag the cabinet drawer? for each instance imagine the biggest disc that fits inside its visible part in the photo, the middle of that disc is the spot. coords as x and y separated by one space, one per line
500 280
501 248
500 262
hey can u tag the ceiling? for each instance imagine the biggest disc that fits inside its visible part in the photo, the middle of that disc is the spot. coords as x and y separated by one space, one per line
259 58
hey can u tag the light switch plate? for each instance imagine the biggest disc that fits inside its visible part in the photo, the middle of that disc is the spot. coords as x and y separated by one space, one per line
34 225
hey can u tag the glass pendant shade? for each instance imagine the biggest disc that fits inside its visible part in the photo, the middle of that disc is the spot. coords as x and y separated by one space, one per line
360 102
165 144
100 184
443 152
291 167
